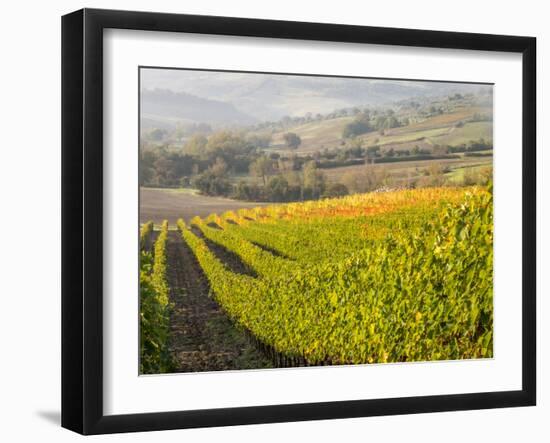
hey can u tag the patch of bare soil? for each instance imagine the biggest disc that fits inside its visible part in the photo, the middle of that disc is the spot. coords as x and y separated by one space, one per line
165 204
150 242
202 337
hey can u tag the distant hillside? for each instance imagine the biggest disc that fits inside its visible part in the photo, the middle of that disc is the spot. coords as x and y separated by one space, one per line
164 108
441 129
270 97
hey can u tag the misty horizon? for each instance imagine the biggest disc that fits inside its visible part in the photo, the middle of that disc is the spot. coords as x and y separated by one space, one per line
240 98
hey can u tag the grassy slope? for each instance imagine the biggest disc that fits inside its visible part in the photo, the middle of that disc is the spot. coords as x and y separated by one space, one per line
470 131
316 135
434 130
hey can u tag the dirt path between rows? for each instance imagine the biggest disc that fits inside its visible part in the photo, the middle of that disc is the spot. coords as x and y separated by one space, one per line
202 338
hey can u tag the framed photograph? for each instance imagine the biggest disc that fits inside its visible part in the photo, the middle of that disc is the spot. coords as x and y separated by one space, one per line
269 221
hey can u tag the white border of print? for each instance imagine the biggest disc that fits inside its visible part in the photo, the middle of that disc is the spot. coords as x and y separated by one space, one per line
125 392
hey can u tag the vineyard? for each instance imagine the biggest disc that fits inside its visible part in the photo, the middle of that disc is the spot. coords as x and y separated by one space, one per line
371 278
154 303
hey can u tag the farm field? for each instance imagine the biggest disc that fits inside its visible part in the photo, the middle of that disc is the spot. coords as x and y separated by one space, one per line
158 205
447 135
401 172
370 278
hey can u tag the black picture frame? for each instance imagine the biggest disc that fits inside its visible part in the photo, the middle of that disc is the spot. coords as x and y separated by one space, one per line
82 218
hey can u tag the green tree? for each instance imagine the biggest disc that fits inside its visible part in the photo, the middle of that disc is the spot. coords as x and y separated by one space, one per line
260 140
146 166
360 125
211 184
389 153
372 151
196 145
277 188
226 144
219 167
262 167
292 140
156 134
335 190
314 180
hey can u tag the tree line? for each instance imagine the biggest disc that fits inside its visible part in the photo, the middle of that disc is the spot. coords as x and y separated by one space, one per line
210 163
234 164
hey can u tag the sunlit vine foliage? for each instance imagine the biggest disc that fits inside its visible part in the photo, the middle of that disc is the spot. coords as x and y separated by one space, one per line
154 307
390 277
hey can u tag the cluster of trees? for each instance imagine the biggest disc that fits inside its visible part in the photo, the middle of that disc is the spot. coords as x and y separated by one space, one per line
278 182
261 140
388 122
456 96
365 122
155 134
210 164
164 167
355 153
360 125
180 132
288 122
292 140
472 146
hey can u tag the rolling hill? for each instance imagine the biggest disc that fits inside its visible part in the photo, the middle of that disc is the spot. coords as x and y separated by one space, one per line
165 108
437 130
